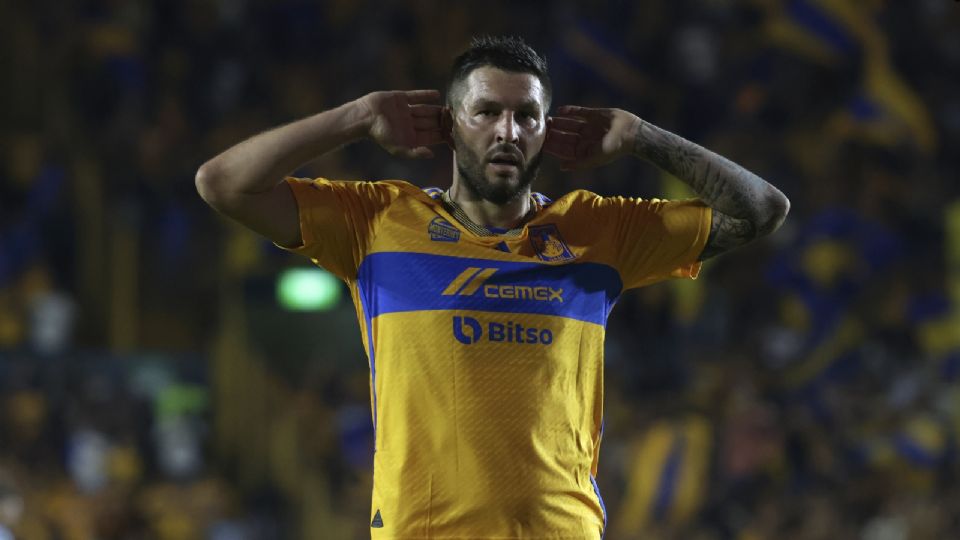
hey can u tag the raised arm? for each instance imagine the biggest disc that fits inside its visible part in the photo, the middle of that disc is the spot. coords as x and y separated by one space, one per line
745 206
245 182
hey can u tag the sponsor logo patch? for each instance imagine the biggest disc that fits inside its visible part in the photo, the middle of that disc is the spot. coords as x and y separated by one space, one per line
474 279
468 331
442 230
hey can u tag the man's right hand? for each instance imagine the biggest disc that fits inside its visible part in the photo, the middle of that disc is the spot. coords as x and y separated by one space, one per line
406 123
246 182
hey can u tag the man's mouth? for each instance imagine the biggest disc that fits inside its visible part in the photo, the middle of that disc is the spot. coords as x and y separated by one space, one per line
505 160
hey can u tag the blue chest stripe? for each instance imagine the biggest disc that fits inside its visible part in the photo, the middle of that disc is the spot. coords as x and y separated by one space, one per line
393 282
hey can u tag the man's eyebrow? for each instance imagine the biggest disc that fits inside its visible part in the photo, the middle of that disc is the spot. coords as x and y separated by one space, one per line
530 105
486 104
526 105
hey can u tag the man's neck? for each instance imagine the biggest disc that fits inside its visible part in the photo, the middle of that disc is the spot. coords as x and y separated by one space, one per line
488 214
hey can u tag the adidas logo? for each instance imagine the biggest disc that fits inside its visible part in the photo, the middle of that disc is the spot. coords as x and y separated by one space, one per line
377 520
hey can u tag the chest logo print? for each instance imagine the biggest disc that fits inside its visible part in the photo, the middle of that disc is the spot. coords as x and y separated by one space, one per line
548 244
442 230
468 331
472 279
468 281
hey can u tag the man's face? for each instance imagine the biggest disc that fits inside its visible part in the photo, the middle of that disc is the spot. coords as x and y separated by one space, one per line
498 131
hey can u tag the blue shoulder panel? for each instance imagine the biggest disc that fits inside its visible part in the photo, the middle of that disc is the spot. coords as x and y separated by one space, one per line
433 192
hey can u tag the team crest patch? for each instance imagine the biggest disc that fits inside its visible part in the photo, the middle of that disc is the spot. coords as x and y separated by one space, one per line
548 243
442 230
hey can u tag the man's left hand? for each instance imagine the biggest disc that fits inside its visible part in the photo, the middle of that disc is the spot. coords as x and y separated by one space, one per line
582 137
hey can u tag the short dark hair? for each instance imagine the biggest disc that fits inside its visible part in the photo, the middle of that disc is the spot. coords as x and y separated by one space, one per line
504 52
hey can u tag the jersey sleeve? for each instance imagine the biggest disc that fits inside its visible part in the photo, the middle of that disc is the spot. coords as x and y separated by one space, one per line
656 239
338 220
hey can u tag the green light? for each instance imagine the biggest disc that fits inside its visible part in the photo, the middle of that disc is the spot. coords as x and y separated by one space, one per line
308 289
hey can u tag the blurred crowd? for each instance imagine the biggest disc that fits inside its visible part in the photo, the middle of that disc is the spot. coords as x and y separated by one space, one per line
804 387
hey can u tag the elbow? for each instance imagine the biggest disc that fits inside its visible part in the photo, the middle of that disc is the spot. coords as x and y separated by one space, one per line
777 208
206 181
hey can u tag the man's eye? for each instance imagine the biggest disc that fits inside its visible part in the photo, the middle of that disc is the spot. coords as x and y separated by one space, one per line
485 113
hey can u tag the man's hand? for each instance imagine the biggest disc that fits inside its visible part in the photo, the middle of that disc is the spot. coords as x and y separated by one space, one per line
405 123
582 137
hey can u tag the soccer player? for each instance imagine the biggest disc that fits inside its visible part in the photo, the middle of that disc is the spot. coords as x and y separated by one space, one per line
482 307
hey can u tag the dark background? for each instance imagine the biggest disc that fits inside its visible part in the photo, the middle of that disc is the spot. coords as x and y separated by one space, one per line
804 387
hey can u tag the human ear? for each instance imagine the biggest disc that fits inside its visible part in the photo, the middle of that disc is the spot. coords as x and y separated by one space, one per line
446 126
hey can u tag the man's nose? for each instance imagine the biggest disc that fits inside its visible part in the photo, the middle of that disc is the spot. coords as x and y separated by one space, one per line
507 129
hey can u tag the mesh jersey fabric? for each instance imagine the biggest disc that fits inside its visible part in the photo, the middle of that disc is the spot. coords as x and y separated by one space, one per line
486 352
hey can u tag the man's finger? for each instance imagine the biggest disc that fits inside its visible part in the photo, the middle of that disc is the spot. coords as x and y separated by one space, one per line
564 137
587 148
568 165
422 96
572 125
430 137
584 113
576 165
574 110
425 110
426 122
420 152
592 129
559 149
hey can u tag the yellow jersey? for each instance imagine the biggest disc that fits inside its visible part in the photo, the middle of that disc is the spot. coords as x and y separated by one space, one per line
486 352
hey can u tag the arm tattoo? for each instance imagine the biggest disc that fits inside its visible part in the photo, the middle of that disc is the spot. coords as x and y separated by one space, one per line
745 206
727 233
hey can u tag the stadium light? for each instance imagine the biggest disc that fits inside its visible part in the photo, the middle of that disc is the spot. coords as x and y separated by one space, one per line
308 289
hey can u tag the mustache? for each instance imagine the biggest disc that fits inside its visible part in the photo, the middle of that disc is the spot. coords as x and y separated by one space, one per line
508 149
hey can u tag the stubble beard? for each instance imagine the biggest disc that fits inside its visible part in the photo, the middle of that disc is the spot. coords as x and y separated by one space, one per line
472 169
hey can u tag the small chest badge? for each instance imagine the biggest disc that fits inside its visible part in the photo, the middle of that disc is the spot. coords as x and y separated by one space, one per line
442 230
548 243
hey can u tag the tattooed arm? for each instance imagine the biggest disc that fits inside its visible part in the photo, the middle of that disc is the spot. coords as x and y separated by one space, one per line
745 207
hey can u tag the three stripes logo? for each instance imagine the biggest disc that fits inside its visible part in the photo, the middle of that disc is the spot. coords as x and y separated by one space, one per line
468 281
377 520
472 279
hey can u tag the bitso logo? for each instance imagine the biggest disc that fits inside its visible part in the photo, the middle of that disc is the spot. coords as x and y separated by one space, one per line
472 279
460 324
468 331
